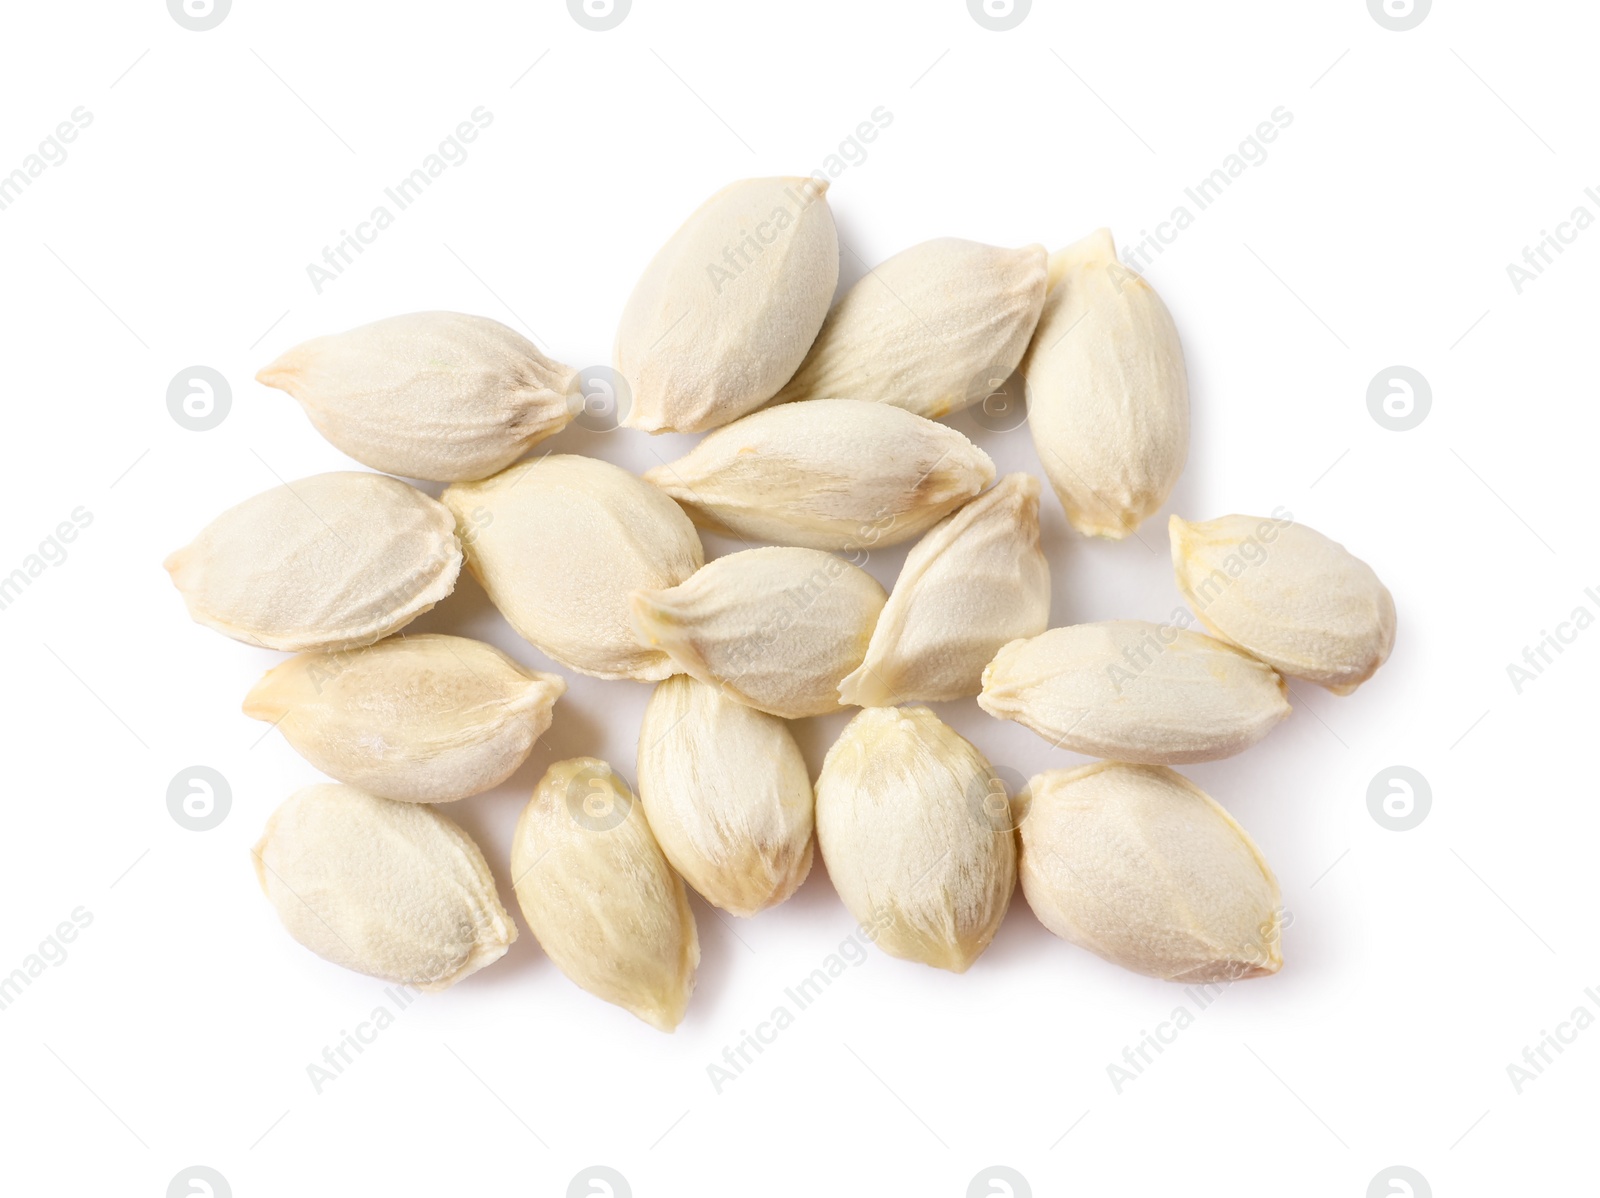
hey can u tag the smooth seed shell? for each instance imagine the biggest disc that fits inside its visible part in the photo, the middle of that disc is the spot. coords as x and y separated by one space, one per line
1108 394
976 581
827 474
599 895
727 795
917 835
728 307
393 890
930 330
419 719
1140 866
1288 595
775 628
331 562
1135 691
436 395
559 544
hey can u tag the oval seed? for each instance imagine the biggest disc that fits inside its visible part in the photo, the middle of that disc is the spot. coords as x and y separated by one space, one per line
419 719
920 330
599 895
728 307
1287 594
975 582
775 628
331 562
435 395
727 795
827 474
393 890
1135 691
912 837
1140 866
559 544
1108 394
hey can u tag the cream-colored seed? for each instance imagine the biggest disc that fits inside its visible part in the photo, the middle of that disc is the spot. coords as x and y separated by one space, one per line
393 890
917 835
1288 595
1140 866
728 307
727 795
1108 394
436 395
974 582
599 895
1135 691
559 544
827 474
420 719
931 330
331 562
775 628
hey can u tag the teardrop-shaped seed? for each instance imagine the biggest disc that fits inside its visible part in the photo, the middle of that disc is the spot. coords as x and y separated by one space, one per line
559 544
1140 866
775 628
393 890
330 562
919 330
727 795
975 582
1108 395
1135 691
728 307
1285 593
917 836
827 474
436 395
420 719
599 895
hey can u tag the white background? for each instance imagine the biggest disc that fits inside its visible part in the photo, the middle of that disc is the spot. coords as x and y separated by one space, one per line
179 1028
